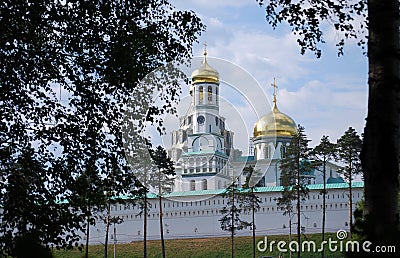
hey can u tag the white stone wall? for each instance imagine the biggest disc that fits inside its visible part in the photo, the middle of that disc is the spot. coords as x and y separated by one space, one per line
197 216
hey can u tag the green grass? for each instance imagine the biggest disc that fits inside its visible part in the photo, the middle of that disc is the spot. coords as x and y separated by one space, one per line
196 248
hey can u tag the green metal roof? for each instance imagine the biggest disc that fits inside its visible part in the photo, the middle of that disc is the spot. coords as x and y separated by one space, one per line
264 189
204 152
335 180
194 193
245 158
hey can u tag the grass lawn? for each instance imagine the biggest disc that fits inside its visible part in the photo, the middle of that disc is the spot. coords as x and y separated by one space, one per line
200 248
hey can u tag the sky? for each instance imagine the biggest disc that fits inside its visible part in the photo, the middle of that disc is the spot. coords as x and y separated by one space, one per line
325 95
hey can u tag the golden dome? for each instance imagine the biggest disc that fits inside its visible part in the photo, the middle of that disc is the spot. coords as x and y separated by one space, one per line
275 123
205 73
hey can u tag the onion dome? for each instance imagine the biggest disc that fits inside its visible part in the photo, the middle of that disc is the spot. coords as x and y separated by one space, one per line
275 123
205 73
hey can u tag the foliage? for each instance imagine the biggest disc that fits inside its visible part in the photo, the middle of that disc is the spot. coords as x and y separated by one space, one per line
359 223
31 212
324 152
349 149
307 19
295 167
252 201
164 177
155 173
285 201
68 70
165 180
378 24
234 206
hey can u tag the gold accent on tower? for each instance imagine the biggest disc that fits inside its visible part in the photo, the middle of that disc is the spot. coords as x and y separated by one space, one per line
275 87
205 73
275 123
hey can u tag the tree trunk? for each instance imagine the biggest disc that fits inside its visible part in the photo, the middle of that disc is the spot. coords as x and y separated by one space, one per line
290 233
107 230
161 227
253 222
233 223
298 222
380 153
145 227
323 209
115 241
298 208
87 237
350 207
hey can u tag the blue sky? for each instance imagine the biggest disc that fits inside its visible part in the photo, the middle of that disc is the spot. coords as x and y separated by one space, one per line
325 95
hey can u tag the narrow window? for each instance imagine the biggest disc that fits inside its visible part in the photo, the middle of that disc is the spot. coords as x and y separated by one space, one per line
209 93
192 185
201 95
283 152
204 183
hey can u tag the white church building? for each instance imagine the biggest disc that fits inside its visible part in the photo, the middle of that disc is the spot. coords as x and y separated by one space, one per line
206 162
202 147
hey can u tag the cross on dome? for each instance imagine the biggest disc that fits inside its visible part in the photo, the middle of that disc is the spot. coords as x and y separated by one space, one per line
205 48
275 87
205 73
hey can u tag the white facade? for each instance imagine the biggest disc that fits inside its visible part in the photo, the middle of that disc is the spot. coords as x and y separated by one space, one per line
206 161
201 146
196 215
203 151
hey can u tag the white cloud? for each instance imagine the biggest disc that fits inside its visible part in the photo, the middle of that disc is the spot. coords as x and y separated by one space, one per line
325 95
323 110
215 3
215 22
325 102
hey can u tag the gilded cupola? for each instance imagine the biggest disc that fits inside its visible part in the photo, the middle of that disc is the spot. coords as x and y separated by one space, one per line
205 73
275 123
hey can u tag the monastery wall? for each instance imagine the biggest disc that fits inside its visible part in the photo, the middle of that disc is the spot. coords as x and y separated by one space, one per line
196 216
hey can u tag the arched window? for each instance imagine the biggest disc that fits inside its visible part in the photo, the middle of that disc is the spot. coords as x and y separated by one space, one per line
201 94
204 184
192 185
209 93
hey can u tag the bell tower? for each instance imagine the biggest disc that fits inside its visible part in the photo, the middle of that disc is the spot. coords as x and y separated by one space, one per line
201 147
